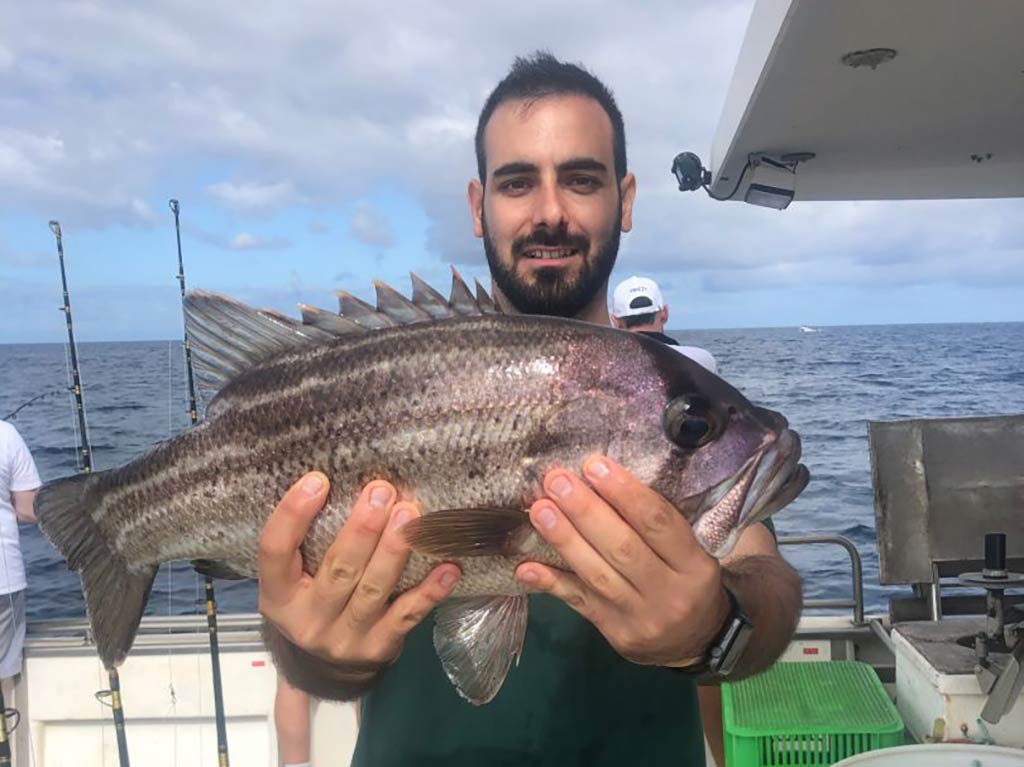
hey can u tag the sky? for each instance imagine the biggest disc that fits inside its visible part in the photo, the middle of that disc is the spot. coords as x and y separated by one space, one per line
317 145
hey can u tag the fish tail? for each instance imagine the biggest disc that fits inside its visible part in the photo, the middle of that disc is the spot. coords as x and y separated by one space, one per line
115 592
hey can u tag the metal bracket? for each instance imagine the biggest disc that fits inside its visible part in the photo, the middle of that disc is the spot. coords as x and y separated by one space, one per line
1007 688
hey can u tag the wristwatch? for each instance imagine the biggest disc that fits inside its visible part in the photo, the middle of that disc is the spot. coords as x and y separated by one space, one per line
727 647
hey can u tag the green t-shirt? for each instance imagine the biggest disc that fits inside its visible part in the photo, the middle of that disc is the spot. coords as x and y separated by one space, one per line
572 700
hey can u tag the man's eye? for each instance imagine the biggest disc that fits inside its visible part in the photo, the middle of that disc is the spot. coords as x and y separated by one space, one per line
584 183
514 185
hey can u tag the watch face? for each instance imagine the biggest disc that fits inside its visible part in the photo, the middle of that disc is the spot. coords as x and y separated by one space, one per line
729 647
739 639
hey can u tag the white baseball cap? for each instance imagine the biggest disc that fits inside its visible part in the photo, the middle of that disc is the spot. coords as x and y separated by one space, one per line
636 295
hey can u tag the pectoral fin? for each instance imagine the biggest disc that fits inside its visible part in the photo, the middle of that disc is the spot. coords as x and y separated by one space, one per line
477 639
457 533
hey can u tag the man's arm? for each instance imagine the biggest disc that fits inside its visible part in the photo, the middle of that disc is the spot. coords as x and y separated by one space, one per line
24 502
769 591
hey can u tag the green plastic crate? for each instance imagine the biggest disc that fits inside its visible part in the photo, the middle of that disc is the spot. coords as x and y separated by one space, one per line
807 714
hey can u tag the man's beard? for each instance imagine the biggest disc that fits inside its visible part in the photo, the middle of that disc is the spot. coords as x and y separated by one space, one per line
553 291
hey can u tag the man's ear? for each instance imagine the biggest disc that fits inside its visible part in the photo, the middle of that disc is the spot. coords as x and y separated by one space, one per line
664 314
475 195
627 192
616 321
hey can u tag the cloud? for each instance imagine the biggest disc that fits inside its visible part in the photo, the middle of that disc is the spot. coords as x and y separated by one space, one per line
253 196
243 240
247 241
142 210
368 224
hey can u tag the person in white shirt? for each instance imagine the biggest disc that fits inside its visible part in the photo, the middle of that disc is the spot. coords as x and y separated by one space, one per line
19 483
637 305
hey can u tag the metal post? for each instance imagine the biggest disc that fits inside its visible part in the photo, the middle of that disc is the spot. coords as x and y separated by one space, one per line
211 602
85 455
935 599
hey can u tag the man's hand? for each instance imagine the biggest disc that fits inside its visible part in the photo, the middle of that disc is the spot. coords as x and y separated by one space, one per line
343 615
638 573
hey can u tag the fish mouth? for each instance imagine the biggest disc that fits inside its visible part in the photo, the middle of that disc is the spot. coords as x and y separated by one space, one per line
771 479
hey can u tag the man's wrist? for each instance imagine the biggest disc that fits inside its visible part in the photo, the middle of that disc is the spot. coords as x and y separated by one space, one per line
727 647
721 614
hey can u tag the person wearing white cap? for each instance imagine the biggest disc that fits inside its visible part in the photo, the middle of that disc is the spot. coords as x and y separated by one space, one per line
637 305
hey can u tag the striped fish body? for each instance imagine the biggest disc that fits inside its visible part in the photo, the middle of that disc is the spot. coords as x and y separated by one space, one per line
465 414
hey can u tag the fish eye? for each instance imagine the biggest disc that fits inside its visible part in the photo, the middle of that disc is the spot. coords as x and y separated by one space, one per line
688 422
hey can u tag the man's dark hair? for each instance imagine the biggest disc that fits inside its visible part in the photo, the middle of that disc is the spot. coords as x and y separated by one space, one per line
539 75
636 320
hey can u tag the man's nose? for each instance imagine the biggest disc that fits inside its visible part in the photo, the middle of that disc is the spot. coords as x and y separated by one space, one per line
549 207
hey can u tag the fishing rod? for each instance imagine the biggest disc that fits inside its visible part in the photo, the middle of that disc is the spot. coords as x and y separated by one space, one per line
10 416
85 459
85 451
211 602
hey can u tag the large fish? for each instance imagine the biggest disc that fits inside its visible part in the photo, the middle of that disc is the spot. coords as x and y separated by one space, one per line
462 406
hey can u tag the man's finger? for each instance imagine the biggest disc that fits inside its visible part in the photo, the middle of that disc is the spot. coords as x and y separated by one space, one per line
381 575
280 563
582 558
415 604
658 522
565 586
345 561
603 527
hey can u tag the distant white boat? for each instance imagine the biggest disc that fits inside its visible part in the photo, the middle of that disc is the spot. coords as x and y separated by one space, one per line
805 329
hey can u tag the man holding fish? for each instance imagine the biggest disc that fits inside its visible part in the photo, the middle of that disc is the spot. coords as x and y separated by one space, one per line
639 609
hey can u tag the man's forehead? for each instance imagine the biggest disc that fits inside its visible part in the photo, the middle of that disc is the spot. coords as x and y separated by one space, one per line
549 128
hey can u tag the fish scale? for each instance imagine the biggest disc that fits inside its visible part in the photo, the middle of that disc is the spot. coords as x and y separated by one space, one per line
465 413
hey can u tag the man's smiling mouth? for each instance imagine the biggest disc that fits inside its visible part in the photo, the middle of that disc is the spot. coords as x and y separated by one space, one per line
550 253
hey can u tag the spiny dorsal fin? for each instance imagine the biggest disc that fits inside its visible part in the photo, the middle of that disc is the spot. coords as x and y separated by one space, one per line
227 338
398 307
484 301
362 313
428 299
274 314
394 309
462 301
329 322
291 323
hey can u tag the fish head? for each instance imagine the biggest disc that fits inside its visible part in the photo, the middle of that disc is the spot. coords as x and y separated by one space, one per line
724 462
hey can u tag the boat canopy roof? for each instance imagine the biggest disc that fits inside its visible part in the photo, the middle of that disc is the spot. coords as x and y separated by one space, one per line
897 99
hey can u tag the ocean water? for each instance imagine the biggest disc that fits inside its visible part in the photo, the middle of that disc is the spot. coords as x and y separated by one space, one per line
828 383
